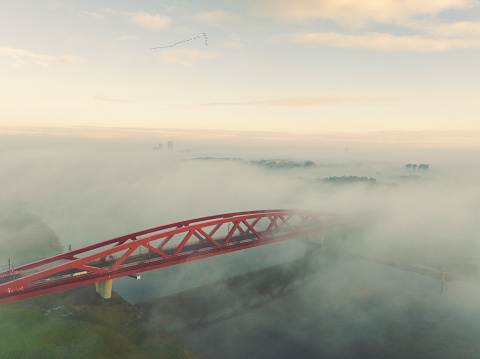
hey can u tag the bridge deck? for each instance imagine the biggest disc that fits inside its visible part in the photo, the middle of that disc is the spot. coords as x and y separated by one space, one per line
160 247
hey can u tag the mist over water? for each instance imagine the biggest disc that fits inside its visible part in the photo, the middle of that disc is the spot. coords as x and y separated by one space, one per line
355 310
87 193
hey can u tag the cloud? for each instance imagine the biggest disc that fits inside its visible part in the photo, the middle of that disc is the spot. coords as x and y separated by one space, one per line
67 60
186 57
354 13
431 33
127 38
383 41
234 44
302 101
219 18
109 99
463 29
24 56
54 5
144 19
93 14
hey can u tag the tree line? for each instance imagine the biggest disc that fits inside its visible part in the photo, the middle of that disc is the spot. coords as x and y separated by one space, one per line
422 166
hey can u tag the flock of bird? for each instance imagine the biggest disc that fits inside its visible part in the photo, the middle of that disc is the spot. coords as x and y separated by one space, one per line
181 42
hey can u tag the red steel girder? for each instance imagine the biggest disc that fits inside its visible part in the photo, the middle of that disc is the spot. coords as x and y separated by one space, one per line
201 238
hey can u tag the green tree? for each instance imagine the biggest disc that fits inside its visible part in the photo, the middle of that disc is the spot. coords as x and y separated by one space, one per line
24 237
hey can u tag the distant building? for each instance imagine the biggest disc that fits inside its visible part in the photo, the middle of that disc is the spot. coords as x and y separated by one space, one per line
159 147
170 145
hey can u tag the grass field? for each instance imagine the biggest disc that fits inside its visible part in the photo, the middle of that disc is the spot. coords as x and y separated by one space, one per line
79 324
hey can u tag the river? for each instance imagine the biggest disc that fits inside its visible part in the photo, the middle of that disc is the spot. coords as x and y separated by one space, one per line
349 309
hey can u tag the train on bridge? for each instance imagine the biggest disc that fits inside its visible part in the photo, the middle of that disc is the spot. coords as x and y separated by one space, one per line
162 246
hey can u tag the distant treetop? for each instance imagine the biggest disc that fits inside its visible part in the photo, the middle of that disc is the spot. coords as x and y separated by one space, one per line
350 179
422 166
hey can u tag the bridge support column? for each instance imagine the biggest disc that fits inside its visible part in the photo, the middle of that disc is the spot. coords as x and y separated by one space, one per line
104 289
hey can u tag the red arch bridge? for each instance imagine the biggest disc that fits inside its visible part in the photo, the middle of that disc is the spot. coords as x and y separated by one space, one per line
161 247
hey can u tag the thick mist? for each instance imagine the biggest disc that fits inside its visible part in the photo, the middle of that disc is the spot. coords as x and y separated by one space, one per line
88 193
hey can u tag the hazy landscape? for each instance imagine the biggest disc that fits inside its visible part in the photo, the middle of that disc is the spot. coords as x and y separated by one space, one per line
360 300
118 117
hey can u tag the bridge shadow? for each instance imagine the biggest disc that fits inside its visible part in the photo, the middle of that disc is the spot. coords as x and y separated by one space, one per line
206 305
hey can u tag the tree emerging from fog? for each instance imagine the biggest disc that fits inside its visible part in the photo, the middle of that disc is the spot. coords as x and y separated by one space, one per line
349 179
25 237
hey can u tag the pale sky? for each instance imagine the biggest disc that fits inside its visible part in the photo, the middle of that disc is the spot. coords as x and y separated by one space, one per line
268 66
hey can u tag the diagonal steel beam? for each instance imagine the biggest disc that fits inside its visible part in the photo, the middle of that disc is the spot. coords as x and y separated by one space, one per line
269 229
182 244
230 234
250 228
209 237
124 257
288 223
153 249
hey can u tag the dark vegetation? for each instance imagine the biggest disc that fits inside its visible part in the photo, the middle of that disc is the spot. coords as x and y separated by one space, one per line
277 163
281 164
270 164
421 166
348 179
210 158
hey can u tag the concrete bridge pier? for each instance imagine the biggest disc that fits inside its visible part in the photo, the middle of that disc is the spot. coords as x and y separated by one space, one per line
104 289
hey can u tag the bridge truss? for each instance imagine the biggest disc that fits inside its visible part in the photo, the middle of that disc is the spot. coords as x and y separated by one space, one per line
161 247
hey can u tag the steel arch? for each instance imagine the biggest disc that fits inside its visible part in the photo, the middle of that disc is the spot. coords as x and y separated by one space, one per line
161 247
